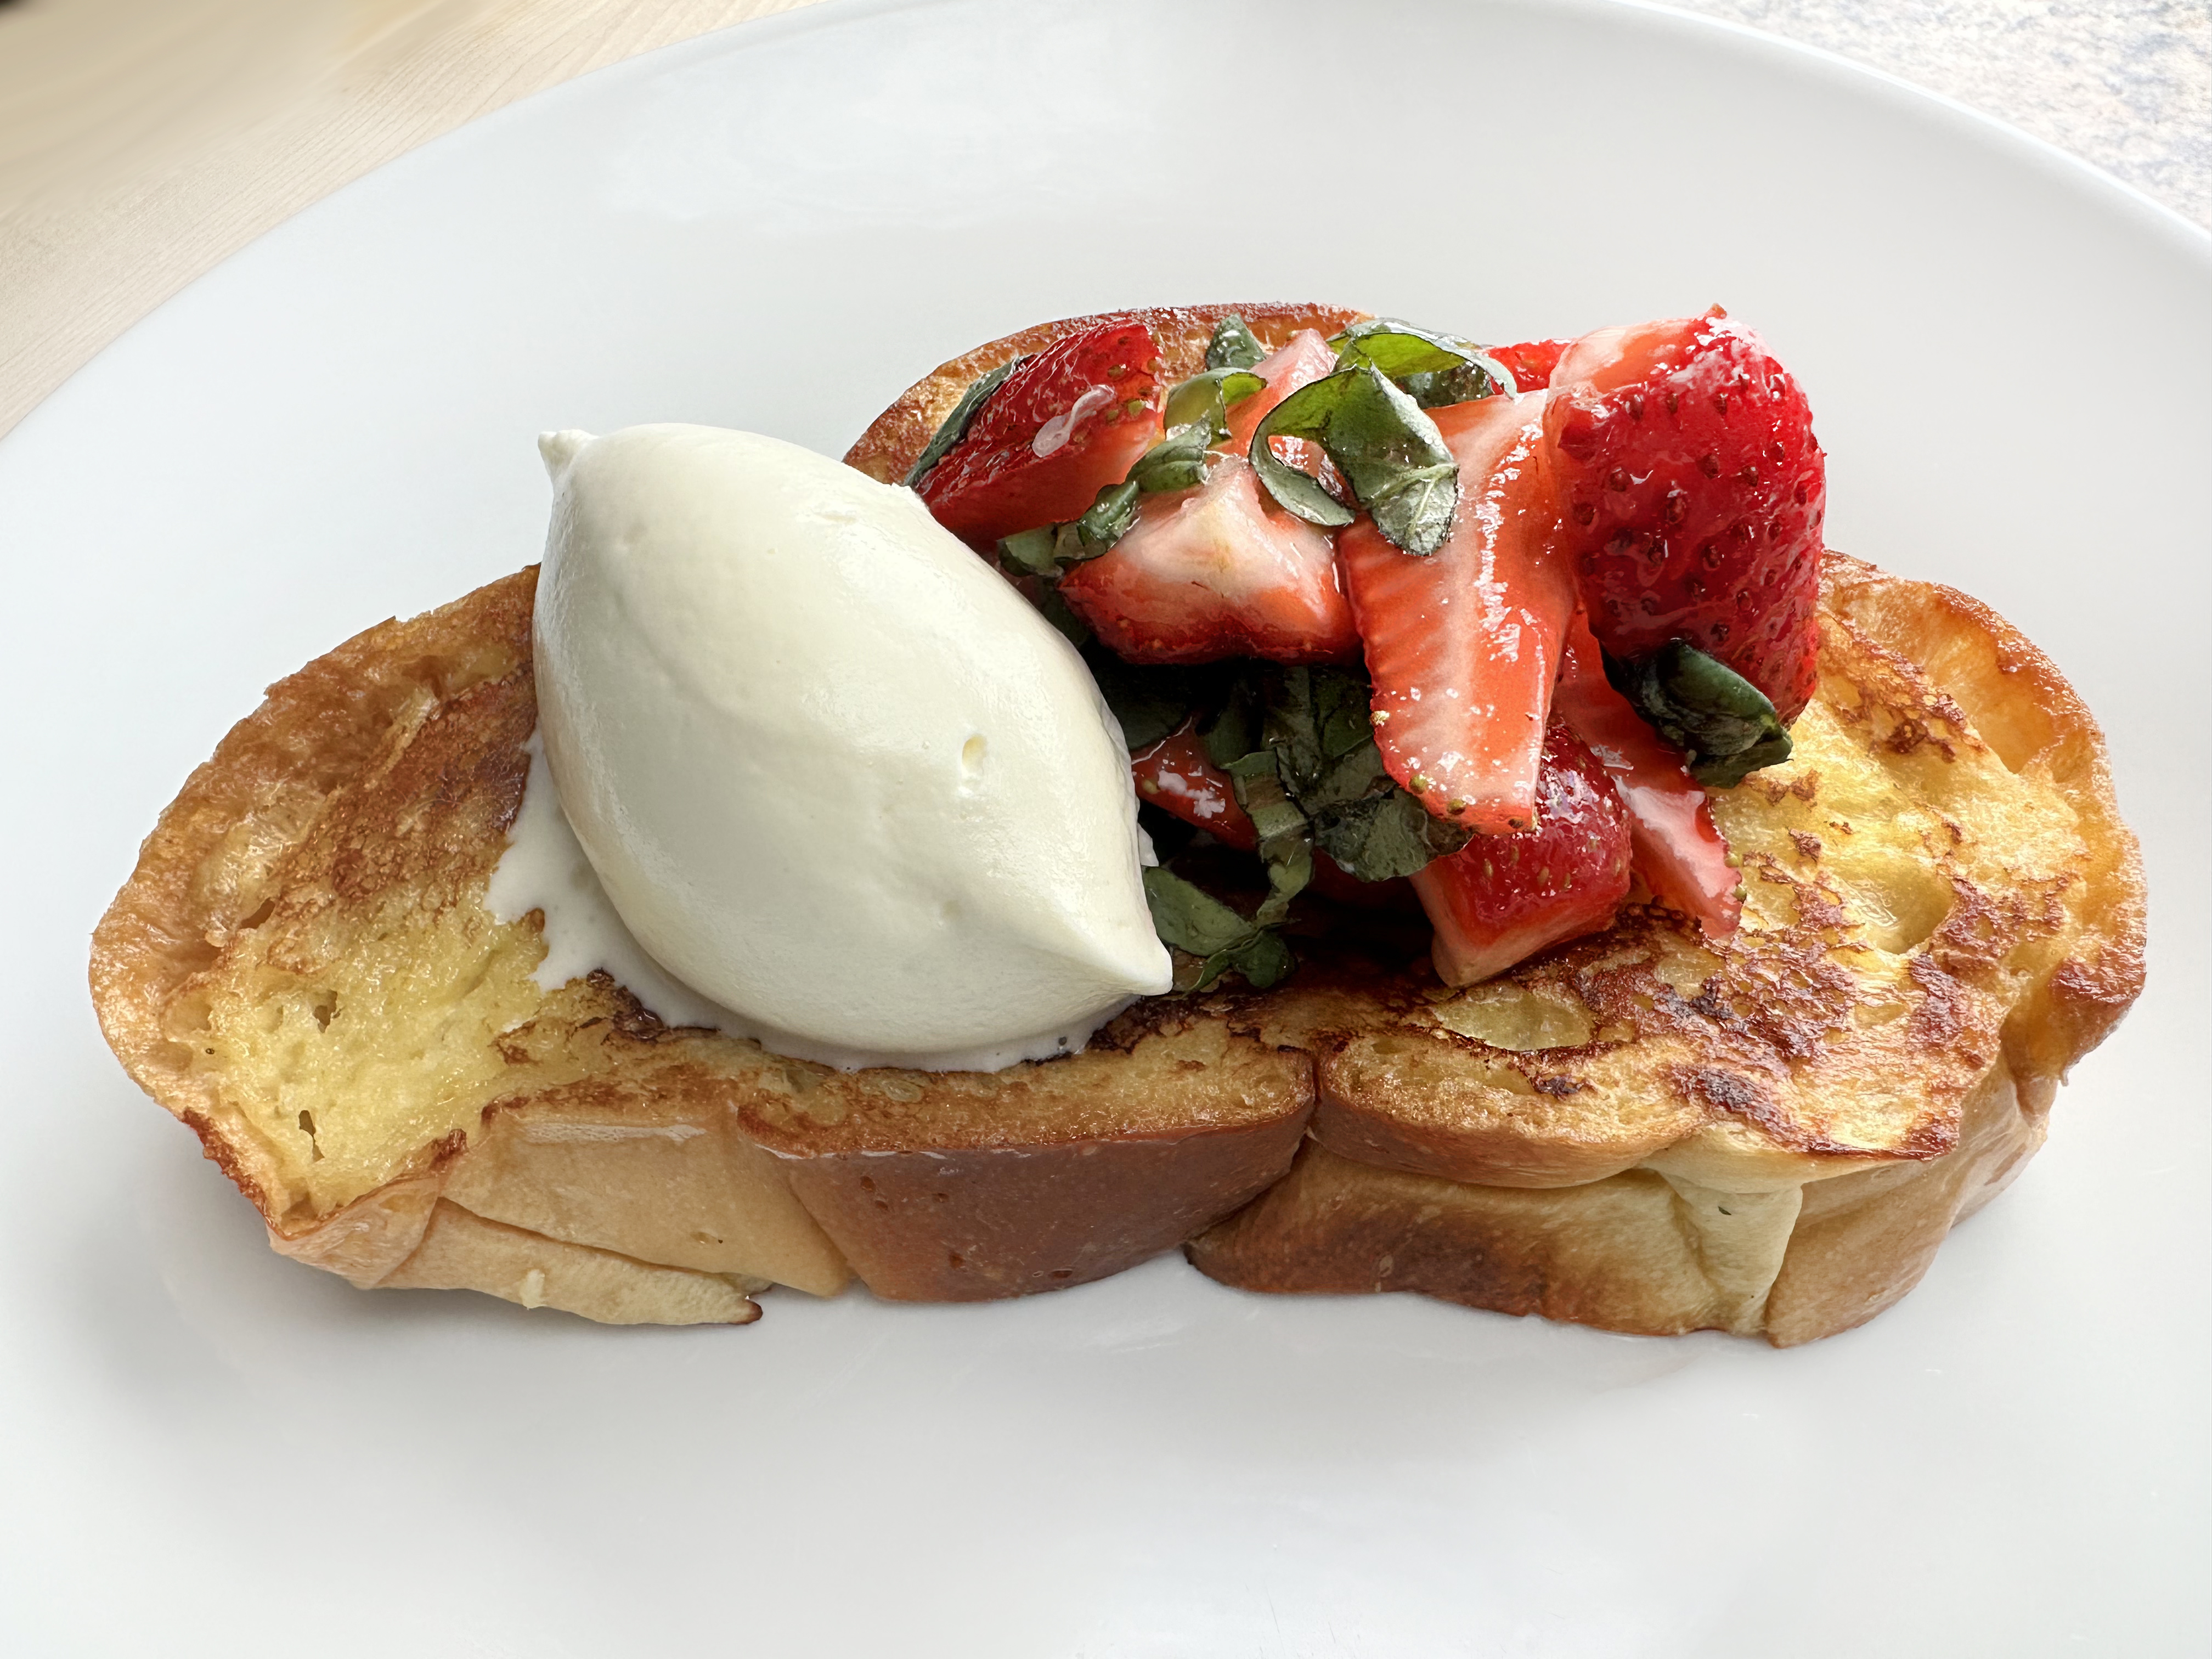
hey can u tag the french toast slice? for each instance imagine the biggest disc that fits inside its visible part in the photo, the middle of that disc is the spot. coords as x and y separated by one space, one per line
303 968
1640 1130
1653 1131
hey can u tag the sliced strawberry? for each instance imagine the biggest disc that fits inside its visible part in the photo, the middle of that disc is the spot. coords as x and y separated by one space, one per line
1463 645
1693 491
1304 358
1531 362
1502 898
1215 572
1068 422
1176 776
1677 849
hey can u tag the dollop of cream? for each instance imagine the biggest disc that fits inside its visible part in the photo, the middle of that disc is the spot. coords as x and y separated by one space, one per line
834 775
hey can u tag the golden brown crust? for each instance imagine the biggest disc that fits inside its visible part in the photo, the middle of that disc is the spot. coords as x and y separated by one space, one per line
1006 1220
2016 699
335 950
887 449
962 1187
210 864
1635 1251
1987 900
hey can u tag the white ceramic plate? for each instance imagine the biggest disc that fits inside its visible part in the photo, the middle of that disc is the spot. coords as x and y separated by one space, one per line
207 1448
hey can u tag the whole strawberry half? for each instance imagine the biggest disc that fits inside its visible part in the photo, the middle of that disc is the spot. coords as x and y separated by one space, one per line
1692 492
1501 898
1066 423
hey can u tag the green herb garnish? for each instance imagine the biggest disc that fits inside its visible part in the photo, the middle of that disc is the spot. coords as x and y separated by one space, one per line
1206 399
1284 846
1434 369
1193 921
1723 725
955 425
1233 345
1390 452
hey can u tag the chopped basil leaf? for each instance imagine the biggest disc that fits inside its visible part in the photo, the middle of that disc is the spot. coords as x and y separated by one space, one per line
1150 702
1030 553
1189 917
955 427
1233 731
1233 345
1300 754
1435 369
1399 348
1177 462
1723 724
1318 730
1195 922
1389 451
1385 833
1197 419
1208 397
1501 378
1461 384
1047 552
1284 846
1306 413
1106 522
1264 960
1396 461
1315 717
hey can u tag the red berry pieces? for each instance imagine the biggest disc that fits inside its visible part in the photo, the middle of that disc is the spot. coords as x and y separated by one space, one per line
1215 572
1502 898
1463 645
1692 492
1304 358
1176 776
1676 846
1530 363
1067 423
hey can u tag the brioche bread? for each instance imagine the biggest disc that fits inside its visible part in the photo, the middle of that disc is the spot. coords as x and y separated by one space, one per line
1651 1131
303 970
1640 1130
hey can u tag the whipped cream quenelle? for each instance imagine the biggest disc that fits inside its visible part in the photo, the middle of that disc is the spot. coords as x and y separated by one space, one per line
833 774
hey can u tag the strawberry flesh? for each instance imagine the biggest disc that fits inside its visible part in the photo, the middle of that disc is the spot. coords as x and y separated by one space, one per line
1215 572
1069 421
1176 776
1463 645
1692 491
1502 898
1303 358
1677 848
1531 362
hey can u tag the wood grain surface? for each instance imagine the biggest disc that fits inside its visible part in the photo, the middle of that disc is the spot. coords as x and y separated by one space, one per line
142 142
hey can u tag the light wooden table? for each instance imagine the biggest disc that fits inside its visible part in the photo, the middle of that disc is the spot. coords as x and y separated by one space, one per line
142 141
